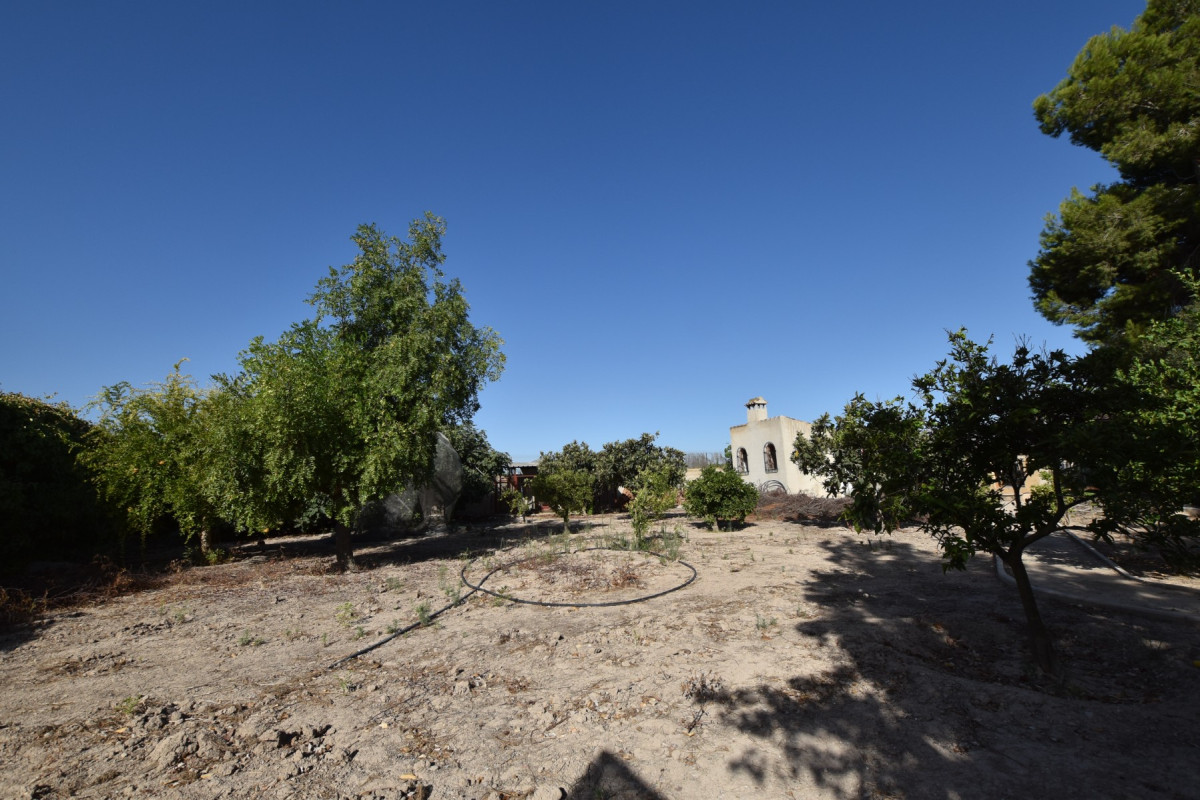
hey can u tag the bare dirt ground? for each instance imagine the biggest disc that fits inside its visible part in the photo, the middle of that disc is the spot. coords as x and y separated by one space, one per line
803 662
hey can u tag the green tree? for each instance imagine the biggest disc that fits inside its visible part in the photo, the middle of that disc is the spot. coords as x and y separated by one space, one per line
48 499
574 456
657 493
957 459
147 451
287 446
565 491
720 495
1117 259
481 463
1145 460
345 408
628 463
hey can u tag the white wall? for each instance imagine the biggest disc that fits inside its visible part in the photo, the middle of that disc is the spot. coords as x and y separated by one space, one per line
781 432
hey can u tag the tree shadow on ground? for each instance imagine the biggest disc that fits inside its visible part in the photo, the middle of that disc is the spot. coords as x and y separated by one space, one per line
824 524
932 694
608 776
36 598
473 541
55 588
377 550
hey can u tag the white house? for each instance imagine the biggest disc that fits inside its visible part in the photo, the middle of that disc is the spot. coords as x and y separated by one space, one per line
762 452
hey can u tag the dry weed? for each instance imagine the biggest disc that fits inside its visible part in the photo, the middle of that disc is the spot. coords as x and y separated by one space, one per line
800 507
18 607
575 575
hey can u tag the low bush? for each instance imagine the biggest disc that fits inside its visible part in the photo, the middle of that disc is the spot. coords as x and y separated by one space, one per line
48 501
720 495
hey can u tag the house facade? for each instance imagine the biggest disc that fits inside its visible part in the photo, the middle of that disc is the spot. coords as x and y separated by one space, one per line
762 452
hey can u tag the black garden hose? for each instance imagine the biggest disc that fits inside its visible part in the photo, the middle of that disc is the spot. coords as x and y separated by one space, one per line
549 604
479 586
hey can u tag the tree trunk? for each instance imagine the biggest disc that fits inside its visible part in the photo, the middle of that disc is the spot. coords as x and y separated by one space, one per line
1039 637
207 541
343 545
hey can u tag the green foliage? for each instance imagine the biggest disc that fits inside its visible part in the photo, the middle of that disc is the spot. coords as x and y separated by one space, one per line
628 463
481 463
1121 265
720 495
566 480
345 614
48 501
565 491
148 453
1145 462
575 456
345 408
515 502
1112 261
957 458
617 464
130 705
656 495
449 584
284 443
248 639
870 454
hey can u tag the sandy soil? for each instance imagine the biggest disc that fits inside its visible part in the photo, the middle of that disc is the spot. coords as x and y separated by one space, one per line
803 662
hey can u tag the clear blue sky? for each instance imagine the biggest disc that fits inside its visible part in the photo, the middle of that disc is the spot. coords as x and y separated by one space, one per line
664 209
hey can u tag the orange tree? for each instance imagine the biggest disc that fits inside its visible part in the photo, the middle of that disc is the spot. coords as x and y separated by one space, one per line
720 494
956 459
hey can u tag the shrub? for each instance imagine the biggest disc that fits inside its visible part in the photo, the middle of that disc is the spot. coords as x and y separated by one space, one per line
720 494
630 463
48 503
656 496
564 491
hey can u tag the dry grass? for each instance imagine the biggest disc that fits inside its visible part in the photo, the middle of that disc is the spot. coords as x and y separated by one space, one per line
580 574
18 607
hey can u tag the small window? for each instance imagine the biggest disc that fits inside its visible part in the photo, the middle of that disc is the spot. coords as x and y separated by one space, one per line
743 461
769 462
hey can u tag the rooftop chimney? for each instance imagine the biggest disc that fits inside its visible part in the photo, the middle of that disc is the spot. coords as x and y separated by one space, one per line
756 410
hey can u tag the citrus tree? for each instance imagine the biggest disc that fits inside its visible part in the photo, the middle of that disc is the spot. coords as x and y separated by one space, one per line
956 459
657 493
720 495
630 462
565 490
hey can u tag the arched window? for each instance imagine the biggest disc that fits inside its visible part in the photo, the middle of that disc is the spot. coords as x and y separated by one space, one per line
769 462
743 461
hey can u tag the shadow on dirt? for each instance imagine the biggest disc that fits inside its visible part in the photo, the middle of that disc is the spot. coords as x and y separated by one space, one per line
33 598
458 540
933 694
43 591
608 776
